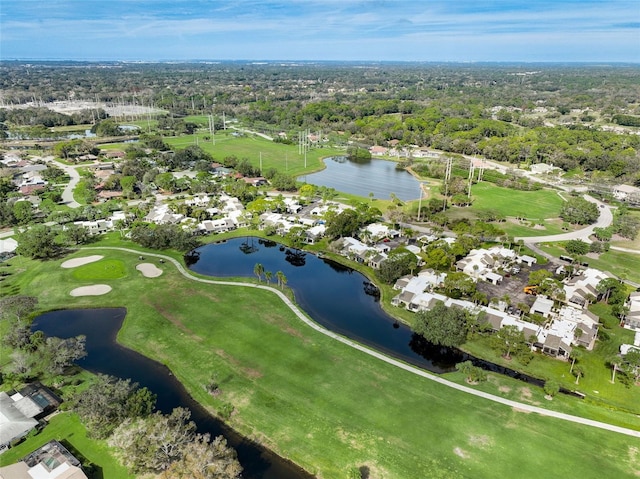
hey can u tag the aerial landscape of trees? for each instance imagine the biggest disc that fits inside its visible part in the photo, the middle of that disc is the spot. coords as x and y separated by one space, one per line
440 122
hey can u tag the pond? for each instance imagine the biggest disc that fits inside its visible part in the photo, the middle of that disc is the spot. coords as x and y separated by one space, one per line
379 177
106 356
337 297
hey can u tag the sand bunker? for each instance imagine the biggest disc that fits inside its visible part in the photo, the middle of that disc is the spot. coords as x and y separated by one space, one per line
93 290
149 270
74 263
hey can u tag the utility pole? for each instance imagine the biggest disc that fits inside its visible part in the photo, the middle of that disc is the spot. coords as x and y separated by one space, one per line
471 169
447 177
420 202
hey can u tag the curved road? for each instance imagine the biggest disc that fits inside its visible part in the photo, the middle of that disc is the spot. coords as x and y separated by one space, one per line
387 359
67 194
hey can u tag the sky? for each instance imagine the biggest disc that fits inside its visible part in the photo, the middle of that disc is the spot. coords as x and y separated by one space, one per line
338 30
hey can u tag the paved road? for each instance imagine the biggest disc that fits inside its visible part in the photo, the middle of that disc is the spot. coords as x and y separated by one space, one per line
376 354
67 194
605 219
262 135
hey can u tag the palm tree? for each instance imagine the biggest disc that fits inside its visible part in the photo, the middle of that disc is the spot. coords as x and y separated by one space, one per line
615 361
258 270
279 276
578 372
575 355
267 276
283 280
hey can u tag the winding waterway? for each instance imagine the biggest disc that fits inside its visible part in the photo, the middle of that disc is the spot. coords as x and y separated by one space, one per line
106 356
379 177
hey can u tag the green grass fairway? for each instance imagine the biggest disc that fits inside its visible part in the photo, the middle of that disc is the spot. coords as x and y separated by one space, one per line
66 427
284 158
533 205
329 407
106 269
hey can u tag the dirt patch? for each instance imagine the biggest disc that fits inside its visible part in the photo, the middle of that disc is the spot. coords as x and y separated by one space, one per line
525 394
75 262
517 409
149 270
93 290
481 441
460 452
504 389
251 373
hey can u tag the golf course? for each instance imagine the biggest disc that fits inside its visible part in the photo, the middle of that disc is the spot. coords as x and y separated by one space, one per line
322 404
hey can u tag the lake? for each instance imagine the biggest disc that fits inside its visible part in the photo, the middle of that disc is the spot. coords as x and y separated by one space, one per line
379 177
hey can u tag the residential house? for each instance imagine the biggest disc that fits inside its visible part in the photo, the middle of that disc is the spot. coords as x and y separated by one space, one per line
315 233
378 150
483 263
624 192
7 248
161 214
20 411
542 306
632 316
582 288
51 461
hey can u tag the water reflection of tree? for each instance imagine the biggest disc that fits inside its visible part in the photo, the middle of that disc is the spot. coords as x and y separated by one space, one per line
267 243
295 257
192 257
337 267
371 289
248 247
439 356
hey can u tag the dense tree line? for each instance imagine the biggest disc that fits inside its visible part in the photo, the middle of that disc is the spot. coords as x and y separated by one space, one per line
164 236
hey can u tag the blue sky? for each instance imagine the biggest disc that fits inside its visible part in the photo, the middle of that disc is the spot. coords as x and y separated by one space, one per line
368 30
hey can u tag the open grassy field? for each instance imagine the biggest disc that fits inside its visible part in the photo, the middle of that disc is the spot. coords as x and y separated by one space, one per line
532 205
324 405
66 428
285 158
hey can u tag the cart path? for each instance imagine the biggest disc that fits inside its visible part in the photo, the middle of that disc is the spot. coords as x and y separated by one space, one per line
376 354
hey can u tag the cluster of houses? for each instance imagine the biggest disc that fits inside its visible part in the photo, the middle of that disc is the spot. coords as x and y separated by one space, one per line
20 413
566 326
28 173
484 264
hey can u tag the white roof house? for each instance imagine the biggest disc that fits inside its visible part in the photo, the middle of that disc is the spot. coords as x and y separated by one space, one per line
8 246
622 192
14 423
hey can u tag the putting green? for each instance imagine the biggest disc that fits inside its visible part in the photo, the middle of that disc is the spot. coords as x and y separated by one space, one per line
101 270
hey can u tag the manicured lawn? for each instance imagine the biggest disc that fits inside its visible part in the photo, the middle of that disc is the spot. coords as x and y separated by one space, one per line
544 228
284 158
323 405
66 428
100 270
533 205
